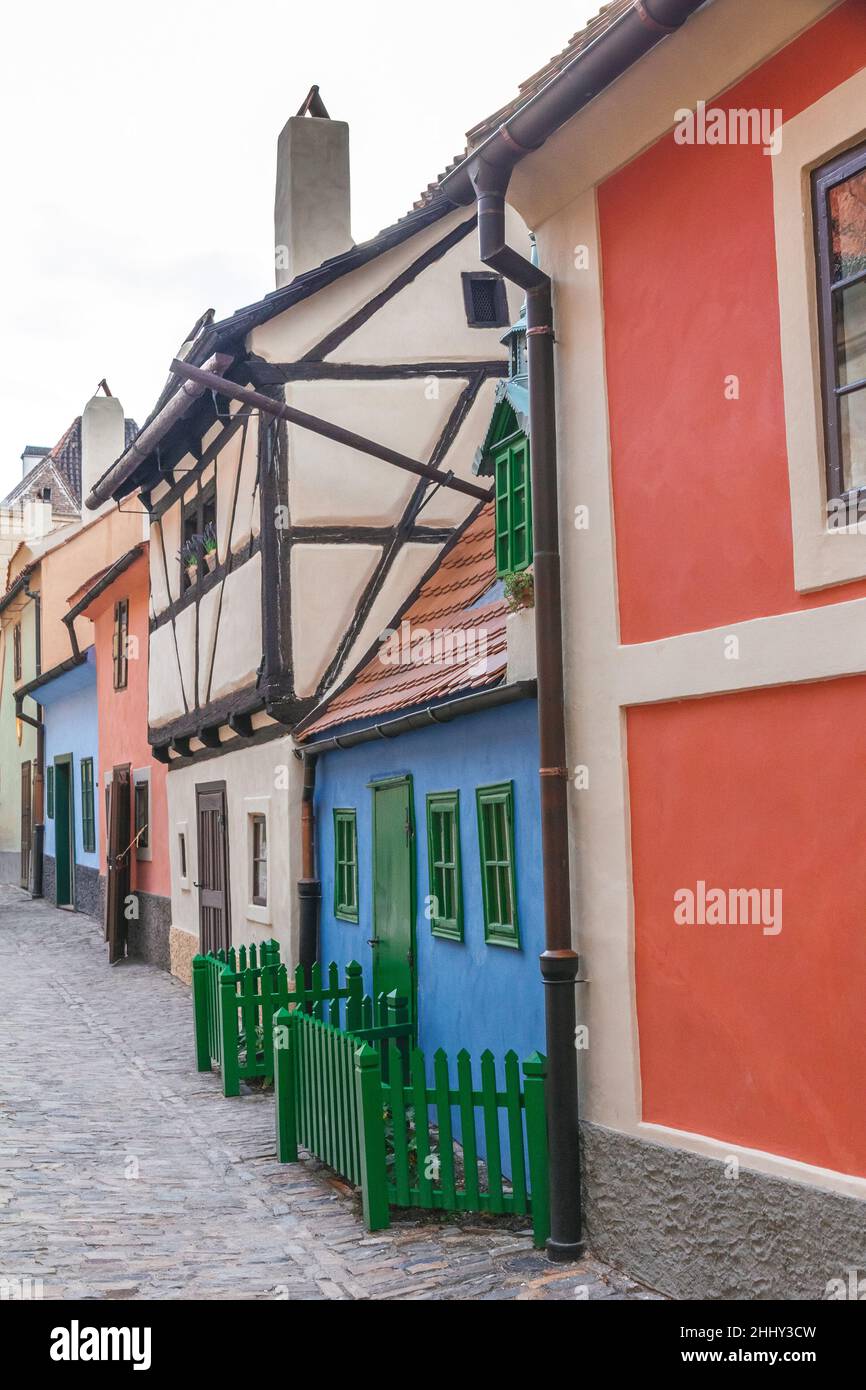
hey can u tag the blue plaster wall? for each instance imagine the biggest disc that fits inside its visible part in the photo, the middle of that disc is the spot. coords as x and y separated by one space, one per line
469 994
71 727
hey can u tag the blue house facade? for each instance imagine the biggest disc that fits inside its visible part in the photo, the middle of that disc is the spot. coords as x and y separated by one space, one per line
427 824
72 817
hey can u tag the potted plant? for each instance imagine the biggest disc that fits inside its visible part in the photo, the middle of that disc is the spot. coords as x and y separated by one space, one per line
209 546
188 557
520 591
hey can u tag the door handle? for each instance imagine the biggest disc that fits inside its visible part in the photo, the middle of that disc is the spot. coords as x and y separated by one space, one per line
374 941
196 885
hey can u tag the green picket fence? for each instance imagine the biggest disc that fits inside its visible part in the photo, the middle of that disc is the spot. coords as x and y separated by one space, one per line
394 1137
236 994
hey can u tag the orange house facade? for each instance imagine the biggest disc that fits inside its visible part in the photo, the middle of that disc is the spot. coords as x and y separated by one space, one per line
703 221
116 601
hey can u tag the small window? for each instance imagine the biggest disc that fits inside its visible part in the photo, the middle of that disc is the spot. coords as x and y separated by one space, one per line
16 652
141 813
50 793
513 507
181 853
840 219
346 866
259 857
121 643
88 809
485 300
496 841
199 516
443 840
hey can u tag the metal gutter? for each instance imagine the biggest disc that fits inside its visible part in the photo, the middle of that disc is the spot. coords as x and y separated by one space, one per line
484 177
640 29
103 583
423 718
16 587
144 443
47 676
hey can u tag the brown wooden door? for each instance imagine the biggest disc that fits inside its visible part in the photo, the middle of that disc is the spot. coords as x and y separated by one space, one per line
117 888
214 917
26 822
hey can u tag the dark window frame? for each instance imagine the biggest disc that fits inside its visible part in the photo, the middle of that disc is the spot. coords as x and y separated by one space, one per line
447 926
17 659
346 907
824 180
141 792
88 806
258 899
498 932
120 643
473 277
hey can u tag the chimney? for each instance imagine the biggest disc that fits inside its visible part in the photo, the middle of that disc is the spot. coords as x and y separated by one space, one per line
102 442
312 203
33 454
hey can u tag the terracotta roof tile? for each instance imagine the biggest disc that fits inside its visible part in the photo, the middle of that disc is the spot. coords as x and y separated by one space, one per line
442 645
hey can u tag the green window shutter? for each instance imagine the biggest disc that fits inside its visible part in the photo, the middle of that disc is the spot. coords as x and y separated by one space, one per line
88 818
513 507
498 883
51 793
443 846
346 866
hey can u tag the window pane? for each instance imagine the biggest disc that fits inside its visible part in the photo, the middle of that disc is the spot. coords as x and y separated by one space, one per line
848 224
853 416
851 334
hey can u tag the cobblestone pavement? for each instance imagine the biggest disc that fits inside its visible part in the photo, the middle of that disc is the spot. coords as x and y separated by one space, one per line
124 1174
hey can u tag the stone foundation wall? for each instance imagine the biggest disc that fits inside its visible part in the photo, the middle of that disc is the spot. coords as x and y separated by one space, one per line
677 1222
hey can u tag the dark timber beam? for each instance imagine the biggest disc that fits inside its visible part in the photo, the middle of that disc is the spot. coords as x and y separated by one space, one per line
210 381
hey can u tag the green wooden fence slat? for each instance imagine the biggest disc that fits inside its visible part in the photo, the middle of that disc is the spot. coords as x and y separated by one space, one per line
491 1131
514 1113
400 1134
229 1031
467 1126
285 1089
535 1102
200 1013
443 1123
374 1189
418 1082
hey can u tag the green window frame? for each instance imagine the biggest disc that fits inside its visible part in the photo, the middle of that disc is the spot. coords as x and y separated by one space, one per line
498 878
50 793
513 506
445 874
88 811
346 865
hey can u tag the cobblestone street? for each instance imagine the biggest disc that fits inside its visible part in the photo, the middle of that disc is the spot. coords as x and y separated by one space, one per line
124 1174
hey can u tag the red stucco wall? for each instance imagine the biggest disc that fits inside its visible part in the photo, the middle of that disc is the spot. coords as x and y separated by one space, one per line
123 719
753 1039
700 483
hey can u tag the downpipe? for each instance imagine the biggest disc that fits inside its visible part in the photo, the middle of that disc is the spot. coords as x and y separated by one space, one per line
309 886
559 962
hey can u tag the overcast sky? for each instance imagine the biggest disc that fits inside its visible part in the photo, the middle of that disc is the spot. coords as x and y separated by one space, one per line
138 163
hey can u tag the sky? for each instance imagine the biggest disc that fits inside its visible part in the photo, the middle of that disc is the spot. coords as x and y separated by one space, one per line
138 154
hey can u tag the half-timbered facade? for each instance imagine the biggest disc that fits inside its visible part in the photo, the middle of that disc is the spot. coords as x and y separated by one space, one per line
301 543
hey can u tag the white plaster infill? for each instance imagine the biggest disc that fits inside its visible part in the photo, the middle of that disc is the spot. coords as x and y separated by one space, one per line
812 645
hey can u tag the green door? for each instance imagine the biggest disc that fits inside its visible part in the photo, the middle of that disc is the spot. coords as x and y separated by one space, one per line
394 890
64 829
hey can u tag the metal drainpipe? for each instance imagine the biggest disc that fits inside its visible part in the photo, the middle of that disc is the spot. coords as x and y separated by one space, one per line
559 962
309 886
38 827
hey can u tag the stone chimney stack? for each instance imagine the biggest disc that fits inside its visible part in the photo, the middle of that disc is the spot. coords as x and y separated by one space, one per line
312 212
103 439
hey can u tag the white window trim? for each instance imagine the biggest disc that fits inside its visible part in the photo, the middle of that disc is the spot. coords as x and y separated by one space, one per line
182 828
140 776
822 557
258 806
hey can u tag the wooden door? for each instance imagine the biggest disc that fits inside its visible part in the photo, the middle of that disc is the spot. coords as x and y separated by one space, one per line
214 915
26 822
117 862
64 832
394 890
